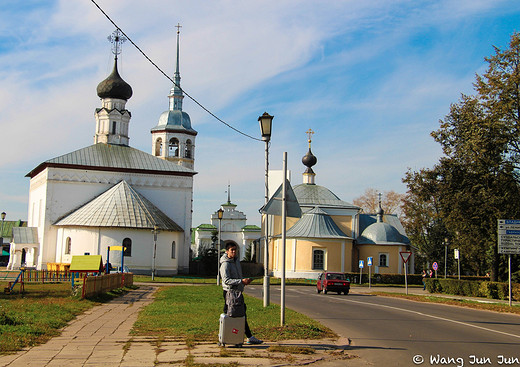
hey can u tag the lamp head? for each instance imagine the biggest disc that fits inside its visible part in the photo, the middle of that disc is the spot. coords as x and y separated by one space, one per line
266 122
3 215
220 213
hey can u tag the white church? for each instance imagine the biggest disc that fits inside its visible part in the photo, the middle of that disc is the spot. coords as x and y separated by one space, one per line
110 194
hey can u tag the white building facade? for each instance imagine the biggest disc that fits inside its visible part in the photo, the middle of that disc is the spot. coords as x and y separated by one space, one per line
110 194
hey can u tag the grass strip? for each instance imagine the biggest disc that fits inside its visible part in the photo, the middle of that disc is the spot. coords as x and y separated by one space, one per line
497 307
193 313
212 280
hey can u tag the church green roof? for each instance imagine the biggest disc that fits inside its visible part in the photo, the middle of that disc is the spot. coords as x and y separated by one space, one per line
316 223
312 195
111 157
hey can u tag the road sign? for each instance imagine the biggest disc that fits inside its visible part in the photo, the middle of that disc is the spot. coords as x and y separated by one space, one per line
405 255
508 236
369 261
361 264
456 254
274 205
435 266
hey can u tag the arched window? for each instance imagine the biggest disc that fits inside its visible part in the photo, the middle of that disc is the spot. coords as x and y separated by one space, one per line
383 260
68 246
187 150
127 244
318 259
158 147
173 250
173 147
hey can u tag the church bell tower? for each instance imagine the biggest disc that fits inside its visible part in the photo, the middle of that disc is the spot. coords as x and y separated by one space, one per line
173 138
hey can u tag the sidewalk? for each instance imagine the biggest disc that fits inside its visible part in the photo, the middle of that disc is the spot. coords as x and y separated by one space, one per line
101 337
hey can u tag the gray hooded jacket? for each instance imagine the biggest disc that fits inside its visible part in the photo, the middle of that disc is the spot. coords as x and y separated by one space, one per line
231 273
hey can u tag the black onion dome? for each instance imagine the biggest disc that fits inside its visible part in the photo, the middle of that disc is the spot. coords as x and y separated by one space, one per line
309 159
114 86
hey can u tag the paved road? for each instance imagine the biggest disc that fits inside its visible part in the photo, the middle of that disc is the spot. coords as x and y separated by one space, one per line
392 332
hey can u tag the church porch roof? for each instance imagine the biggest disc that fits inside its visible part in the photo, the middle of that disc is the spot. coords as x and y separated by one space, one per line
316 223
120 206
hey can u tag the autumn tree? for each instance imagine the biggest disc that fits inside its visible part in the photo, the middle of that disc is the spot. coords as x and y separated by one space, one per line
391 201
476 182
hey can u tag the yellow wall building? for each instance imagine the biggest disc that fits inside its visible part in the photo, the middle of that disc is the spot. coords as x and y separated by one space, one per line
332 235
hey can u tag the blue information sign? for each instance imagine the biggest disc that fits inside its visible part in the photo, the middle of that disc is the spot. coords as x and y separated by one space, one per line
361 264
369 261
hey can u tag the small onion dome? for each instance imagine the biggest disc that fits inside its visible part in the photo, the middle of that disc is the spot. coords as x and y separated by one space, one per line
309 159
114 86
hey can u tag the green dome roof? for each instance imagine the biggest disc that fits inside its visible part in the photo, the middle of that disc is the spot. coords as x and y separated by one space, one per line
312 195
381 233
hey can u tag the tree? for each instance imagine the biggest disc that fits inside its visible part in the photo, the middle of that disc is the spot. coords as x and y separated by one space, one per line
422 221
391 201
476 182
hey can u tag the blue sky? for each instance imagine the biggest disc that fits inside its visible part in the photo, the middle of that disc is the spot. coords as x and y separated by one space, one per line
371 78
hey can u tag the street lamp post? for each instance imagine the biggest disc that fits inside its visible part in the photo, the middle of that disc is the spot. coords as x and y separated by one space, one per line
446 243
155 232
220 214
266 122
2 231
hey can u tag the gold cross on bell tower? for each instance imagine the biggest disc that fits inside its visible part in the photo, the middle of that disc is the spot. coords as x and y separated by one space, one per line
178 26
309 134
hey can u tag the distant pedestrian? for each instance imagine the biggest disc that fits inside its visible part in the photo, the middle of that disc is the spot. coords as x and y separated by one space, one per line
431 273
424 279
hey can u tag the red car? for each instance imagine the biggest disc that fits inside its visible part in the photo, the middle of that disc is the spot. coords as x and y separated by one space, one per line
333 282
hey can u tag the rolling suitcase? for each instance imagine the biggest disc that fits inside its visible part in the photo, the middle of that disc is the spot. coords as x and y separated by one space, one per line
231 330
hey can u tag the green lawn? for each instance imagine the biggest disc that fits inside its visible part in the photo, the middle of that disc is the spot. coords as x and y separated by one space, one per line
193 313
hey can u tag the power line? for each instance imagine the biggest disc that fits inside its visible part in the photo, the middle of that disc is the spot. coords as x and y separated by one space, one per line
168 77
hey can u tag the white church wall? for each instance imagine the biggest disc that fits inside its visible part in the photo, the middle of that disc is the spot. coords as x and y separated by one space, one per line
95 241
56 192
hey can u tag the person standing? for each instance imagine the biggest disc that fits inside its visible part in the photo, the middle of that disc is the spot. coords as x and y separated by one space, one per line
424 279
231 274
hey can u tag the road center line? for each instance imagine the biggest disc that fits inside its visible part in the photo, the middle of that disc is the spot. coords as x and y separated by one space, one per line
422 314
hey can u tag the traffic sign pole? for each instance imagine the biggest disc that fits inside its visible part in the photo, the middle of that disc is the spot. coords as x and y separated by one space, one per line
369 263
405 255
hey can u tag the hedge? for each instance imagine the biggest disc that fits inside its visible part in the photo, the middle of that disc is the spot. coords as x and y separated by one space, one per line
398 278
493 290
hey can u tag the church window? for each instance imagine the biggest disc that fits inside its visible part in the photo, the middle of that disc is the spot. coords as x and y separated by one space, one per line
383 260
68 246
187 152
158 147
318 259
114 127
127 245
173 147
173 250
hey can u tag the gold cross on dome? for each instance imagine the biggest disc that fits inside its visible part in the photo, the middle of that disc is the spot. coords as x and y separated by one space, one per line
309 134
178 26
